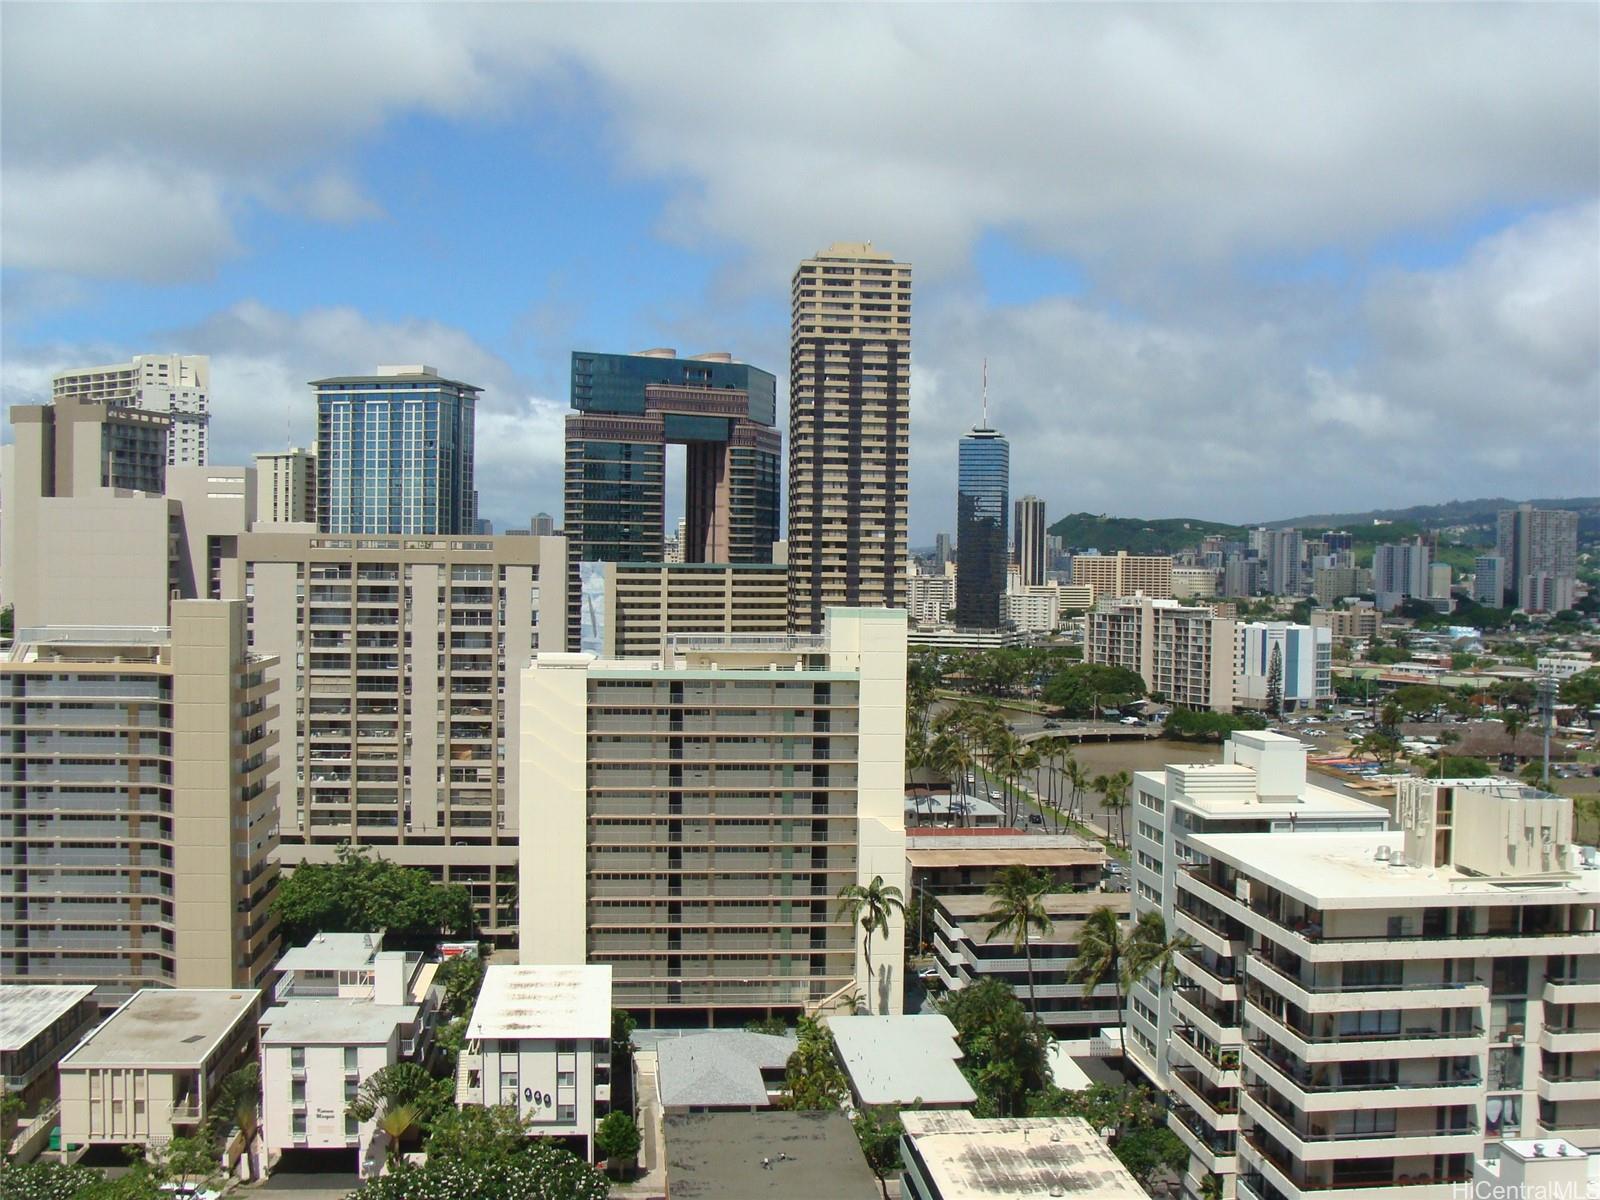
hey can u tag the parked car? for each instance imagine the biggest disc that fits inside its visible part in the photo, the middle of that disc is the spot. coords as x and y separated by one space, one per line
1035 819
1132 721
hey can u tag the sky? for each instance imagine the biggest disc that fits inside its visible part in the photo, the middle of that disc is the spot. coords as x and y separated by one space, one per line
1237 262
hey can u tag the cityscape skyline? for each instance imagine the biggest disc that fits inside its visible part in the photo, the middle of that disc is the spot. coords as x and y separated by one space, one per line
1331 313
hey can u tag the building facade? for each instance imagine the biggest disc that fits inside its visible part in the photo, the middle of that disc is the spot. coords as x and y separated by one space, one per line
1304 656
1539 548
1122 574
177 386
849 432
645 603
39 1023
395 453
1489 580
1185 653
691 821
1031 534
286 487
931 598
138 817
398 667
983 482
1400 572
1359 623
1282 555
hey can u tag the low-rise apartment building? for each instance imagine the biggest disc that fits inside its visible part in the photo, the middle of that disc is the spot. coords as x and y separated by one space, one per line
540 1041
1361 622
38 1024
149 1072
691 821
1405 999
957 1156
1185 653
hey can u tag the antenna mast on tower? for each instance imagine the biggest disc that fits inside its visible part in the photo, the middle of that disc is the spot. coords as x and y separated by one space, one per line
986 392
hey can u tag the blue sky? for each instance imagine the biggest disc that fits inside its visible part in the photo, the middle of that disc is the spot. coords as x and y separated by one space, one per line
1224 262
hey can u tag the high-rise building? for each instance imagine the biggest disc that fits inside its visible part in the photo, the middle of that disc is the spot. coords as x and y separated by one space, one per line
178 386
983 483
1489 580
1029 532
931 598
691 821
542 525
403 658
1124 574
1282 552
286 486
942 553
645 603
395 453
1400 572
1540 549
1305 665
849 432
1185 653
137 812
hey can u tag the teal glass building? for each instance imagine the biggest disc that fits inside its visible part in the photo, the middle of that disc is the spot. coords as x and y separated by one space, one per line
983 486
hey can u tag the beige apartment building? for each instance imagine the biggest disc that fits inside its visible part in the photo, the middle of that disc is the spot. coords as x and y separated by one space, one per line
645 603
690 821
1123 574
286 486
849 432
138 819
1185 653
176 386
398 665
1404 1000
1359 623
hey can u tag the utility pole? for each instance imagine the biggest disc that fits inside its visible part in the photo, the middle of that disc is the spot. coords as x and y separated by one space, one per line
1547 709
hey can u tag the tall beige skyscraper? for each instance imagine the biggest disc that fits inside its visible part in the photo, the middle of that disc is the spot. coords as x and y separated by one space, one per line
849 432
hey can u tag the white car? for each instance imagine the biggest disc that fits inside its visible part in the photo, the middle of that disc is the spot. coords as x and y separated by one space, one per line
1130 720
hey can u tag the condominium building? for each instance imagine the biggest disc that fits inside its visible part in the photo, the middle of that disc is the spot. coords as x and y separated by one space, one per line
1303 655
1123 574
983 480
691 821
286 486
399 673
645 603
1185 653
138 817
1184 1034
1282 555
1190 583
395 453
177 386
957 1156
1030 533
1332 584
1489 580
1539 548
1360 622
849 432
1400 572
1033 609
1405 1000
932 598
943 555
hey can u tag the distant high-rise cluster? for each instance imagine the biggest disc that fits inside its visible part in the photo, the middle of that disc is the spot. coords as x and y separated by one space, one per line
1538 550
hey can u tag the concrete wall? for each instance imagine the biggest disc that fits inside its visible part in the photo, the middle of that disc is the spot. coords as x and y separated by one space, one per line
553 822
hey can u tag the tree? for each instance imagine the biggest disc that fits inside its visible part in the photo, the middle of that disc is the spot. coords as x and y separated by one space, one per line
1383 747
1018 910
1148 1153
813 1081
187 1162
1103 953
361 893
1514 722
1390 715
542 1171
1002 1047
1275 681
1192 725
879 1133
1078 779
873 906
622 1048
1083 688
11 1112
617 1137
495 1136
1582 690
238 1103
1152 950
403 1098
1113 790
461 978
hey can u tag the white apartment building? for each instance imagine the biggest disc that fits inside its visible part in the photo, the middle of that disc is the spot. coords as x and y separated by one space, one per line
540 1041
1405 1000
1185 653
1305 664
932 597
346 1009
175 385
1489 580
1186 1038
690 821
400 661
1032 609
1564 664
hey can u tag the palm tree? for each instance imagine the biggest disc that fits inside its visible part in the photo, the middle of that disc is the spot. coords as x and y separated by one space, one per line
1103 949
1018 910
1515 721
948 755
1028 762
1116 800
1150 949
1005 760
1078 778
873 906
397 1121
400 1096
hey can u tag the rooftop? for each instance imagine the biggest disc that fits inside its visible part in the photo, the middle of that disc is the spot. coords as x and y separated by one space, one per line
1059 905
543 1002
1021 850
969 1158
334 1022
176 1028
28 1009
334 952
719 1069
902 1060
809 1156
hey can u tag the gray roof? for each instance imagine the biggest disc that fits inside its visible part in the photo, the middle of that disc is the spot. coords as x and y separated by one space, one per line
175 1028
28 1009
334 952
721 1069
334 1022
972 1158
813 1156
902 1060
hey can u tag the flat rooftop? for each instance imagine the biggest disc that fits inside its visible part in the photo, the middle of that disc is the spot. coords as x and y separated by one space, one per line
334 952
950 849
333 1022
978 1159
177 1028
902 1060
543 1002
1059 905
810 1156
28 1009
720 1068
1231 788
1342 870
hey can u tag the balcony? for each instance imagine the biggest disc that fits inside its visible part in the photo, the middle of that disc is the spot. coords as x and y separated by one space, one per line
1219 1066
1314 1090
1578 1084
1271 1175
1220 1023
1217 1107
1318 1141
1215 1150
1326 1043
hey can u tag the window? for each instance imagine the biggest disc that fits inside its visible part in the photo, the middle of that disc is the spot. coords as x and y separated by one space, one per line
299 1125
297 1058
349 1059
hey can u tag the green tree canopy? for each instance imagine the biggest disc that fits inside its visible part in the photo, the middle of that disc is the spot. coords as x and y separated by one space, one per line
1081 688
879 1132
461 978
361 892
1003 1048
1192 725
617 1137
813 1079
479 1136
543 1171
1582 690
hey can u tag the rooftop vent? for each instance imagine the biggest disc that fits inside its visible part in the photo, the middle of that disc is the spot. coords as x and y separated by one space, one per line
1397 859
1383 854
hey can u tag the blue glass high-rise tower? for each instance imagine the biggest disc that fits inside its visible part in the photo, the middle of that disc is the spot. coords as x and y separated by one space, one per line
983 487
394 453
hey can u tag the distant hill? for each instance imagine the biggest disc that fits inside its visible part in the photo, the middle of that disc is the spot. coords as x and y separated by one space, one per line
1463 514
1163 535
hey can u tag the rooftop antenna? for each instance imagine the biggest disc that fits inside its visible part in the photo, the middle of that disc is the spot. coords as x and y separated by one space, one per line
986 392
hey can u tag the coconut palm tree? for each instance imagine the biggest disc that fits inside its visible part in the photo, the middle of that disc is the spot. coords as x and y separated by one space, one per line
1018 911
1514 720
401 1096
1079 780
1150 949
1115 793
1103 954
949 755
872 905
